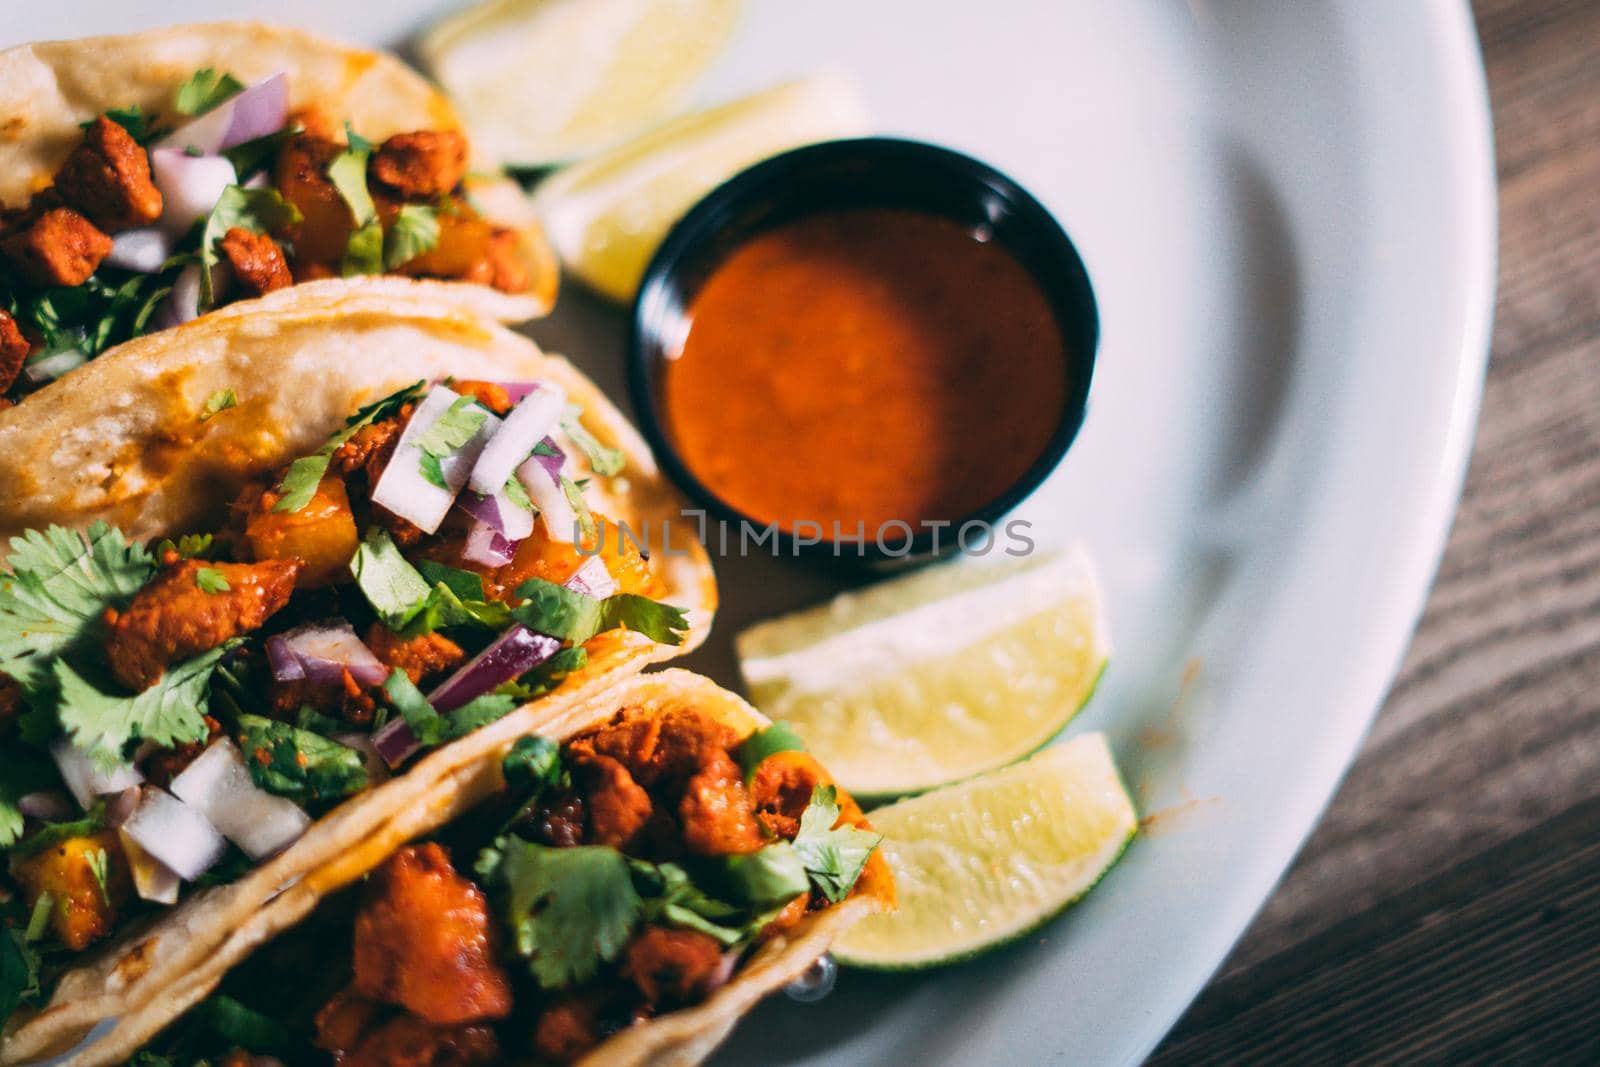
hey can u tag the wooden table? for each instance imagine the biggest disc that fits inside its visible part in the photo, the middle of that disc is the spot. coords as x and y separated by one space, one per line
1448 907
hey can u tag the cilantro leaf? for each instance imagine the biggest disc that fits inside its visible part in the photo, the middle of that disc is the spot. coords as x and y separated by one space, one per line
187 546
414 231
348 173
23 770
100 867
205 90
569 909
672 899
211 581
394 588
580 507
779 737
60 586
251 156
244 1028
572 616
603 459
140 126
257 210
464 584
834 858
532 762
445 435
517 493
93 821
299 764
169 713
218 402
299 485
768 877
431 728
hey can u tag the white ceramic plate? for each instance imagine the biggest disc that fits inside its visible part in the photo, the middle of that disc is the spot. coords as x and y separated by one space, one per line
1288 213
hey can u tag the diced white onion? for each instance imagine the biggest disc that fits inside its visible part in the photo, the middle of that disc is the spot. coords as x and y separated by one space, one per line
85 779
218 785
175 834
261 109
592 579
50 368
403 490
190 187
527 425
554 508
142 250
152 880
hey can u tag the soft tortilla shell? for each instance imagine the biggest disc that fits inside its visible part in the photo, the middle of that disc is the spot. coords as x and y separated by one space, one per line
440 790
48 89
122 442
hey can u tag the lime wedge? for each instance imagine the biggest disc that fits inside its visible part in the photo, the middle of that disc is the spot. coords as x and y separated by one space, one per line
607 215
932 678
545 81
983 862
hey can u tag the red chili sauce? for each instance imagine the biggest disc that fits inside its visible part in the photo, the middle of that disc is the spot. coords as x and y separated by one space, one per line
866 366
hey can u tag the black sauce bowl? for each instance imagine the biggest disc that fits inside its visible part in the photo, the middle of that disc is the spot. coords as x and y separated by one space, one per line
872 172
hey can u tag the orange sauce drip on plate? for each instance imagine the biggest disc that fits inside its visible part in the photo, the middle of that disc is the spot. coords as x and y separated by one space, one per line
865 366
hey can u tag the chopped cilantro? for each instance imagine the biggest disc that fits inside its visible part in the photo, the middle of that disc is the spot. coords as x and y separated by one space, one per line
244 1028
188 546
100 867
533 761
211 581
206 89
459 424
779 737
407 604
769 877
603 459
297 763
348 173
414 231
39 919
218 402
834 858
572 616
257 210
580 507
518 494
61 583
464 584
569 909
254 155
428 726
93 821
169 713
299 485
19 971
140 126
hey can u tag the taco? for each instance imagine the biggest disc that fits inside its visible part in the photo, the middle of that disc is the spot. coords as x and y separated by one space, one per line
255 602
150 178
619 887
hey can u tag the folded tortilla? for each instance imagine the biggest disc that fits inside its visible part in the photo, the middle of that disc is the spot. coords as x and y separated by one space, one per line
48 89
123 441
448 785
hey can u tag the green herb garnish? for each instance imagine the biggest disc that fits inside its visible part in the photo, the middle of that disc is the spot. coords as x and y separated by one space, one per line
217 403
299 485
205 90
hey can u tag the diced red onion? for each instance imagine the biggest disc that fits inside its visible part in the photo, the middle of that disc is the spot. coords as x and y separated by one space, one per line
547 495
327 649
143 250
152 880
87 780
48 369
485 545
553 463
286 665
513 654
512 520
592 579
371 758
517 391
404 491
190 187
218 785
178 836
394 742
259 110
529 423
50 805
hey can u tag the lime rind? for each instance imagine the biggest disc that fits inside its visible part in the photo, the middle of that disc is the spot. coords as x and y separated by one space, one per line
989 861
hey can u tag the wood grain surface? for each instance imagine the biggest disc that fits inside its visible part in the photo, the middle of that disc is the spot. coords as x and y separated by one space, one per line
1448 907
